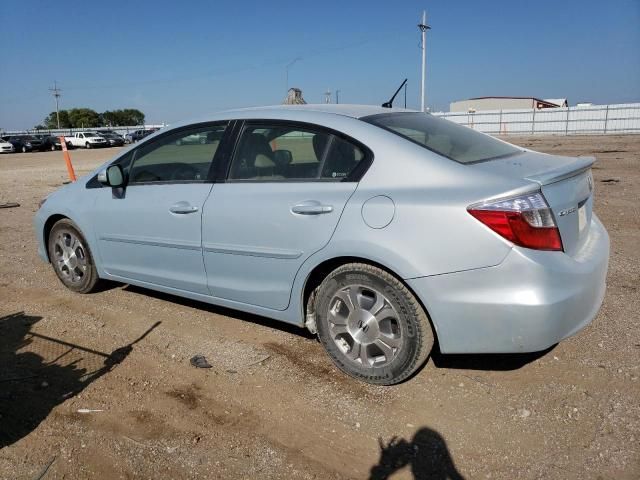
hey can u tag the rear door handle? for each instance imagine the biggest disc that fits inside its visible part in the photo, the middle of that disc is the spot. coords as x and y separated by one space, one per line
182 208
311 209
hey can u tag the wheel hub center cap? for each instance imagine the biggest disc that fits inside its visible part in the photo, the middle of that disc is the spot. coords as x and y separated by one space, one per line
363 327
72 261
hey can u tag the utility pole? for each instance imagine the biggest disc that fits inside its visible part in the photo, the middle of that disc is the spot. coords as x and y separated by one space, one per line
423 45
56 93
337 96
327 96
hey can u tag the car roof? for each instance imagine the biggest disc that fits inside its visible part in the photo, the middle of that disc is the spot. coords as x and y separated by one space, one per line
348 110
308 112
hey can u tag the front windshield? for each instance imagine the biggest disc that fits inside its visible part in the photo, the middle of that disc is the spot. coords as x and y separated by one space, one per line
91 135
444 137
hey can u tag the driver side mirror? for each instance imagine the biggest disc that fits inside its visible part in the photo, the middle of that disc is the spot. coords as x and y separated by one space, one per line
112 176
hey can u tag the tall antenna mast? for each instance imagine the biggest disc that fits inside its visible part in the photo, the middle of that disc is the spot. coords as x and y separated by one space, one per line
56 93
327 96
423 45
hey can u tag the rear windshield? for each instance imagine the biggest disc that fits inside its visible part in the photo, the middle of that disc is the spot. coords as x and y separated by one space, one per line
444 137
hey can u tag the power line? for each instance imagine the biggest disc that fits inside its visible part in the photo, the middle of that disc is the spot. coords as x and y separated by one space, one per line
55 91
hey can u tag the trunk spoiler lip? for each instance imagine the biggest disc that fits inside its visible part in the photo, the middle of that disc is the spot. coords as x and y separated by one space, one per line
578 166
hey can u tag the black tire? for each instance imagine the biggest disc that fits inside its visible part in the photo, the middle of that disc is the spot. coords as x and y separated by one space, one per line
53 147
24 149
88 281
409 324
87 145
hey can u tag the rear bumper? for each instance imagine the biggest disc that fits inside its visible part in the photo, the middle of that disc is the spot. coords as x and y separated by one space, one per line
531 301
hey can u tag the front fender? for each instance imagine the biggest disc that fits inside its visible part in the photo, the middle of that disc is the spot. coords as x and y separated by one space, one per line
72 201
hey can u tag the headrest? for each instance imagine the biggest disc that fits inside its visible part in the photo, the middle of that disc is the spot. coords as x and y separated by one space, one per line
262 161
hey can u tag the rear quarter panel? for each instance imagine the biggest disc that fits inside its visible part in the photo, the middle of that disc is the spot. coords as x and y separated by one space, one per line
431 231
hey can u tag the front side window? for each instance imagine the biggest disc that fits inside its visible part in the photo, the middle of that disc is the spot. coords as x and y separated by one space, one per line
179 157
277 152
444 137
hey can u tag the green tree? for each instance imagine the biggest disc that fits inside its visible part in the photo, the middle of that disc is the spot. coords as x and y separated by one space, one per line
132 116
119 118
109 119
83 118
52 122
88 118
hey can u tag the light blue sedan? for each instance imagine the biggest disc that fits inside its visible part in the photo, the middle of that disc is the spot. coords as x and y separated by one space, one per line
380 229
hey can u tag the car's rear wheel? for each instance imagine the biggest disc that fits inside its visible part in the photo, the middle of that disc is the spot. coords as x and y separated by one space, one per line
371 325
71 258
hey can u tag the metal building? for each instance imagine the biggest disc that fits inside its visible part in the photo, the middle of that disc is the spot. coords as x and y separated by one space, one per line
505 103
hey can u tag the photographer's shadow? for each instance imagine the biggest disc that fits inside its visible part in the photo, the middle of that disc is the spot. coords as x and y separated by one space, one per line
38 373
426 455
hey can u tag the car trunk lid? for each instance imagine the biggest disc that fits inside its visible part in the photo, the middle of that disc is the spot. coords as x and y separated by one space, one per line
565 182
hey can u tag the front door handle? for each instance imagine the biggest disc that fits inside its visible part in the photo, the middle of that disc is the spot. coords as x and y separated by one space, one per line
182 208
311 209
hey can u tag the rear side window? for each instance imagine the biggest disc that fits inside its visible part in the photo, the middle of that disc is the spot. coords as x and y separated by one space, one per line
179 157
444 137
280 153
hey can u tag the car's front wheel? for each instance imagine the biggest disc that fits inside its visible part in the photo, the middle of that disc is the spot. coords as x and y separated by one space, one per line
87 145
371 325
53 147
71 258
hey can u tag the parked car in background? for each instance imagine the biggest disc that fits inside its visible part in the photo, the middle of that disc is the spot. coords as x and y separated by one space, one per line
24 143
53 143
138 135
87 140
6 147
381 230
113 139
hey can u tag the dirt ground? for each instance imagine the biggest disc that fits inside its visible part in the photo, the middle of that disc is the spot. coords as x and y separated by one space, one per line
273 405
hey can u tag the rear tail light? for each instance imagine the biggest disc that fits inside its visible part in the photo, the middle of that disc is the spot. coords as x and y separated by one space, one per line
526 221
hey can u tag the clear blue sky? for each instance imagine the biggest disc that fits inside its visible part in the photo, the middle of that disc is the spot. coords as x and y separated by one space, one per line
180 59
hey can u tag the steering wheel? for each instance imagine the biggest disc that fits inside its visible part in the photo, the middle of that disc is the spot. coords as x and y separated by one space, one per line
185 172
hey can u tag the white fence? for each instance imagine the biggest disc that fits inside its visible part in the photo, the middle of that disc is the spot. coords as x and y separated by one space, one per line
55 132
595 119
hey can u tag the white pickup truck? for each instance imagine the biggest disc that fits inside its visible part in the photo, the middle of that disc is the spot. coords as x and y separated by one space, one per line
87 140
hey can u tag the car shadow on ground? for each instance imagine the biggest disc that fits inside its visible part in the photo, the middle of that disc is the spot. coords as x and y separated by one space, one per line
486 361
39 372
426 455
227 312
489 362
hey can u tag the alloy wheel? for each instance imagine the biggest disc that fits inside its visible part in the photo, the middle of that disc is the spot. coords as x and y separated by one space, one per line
365 326
70 257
